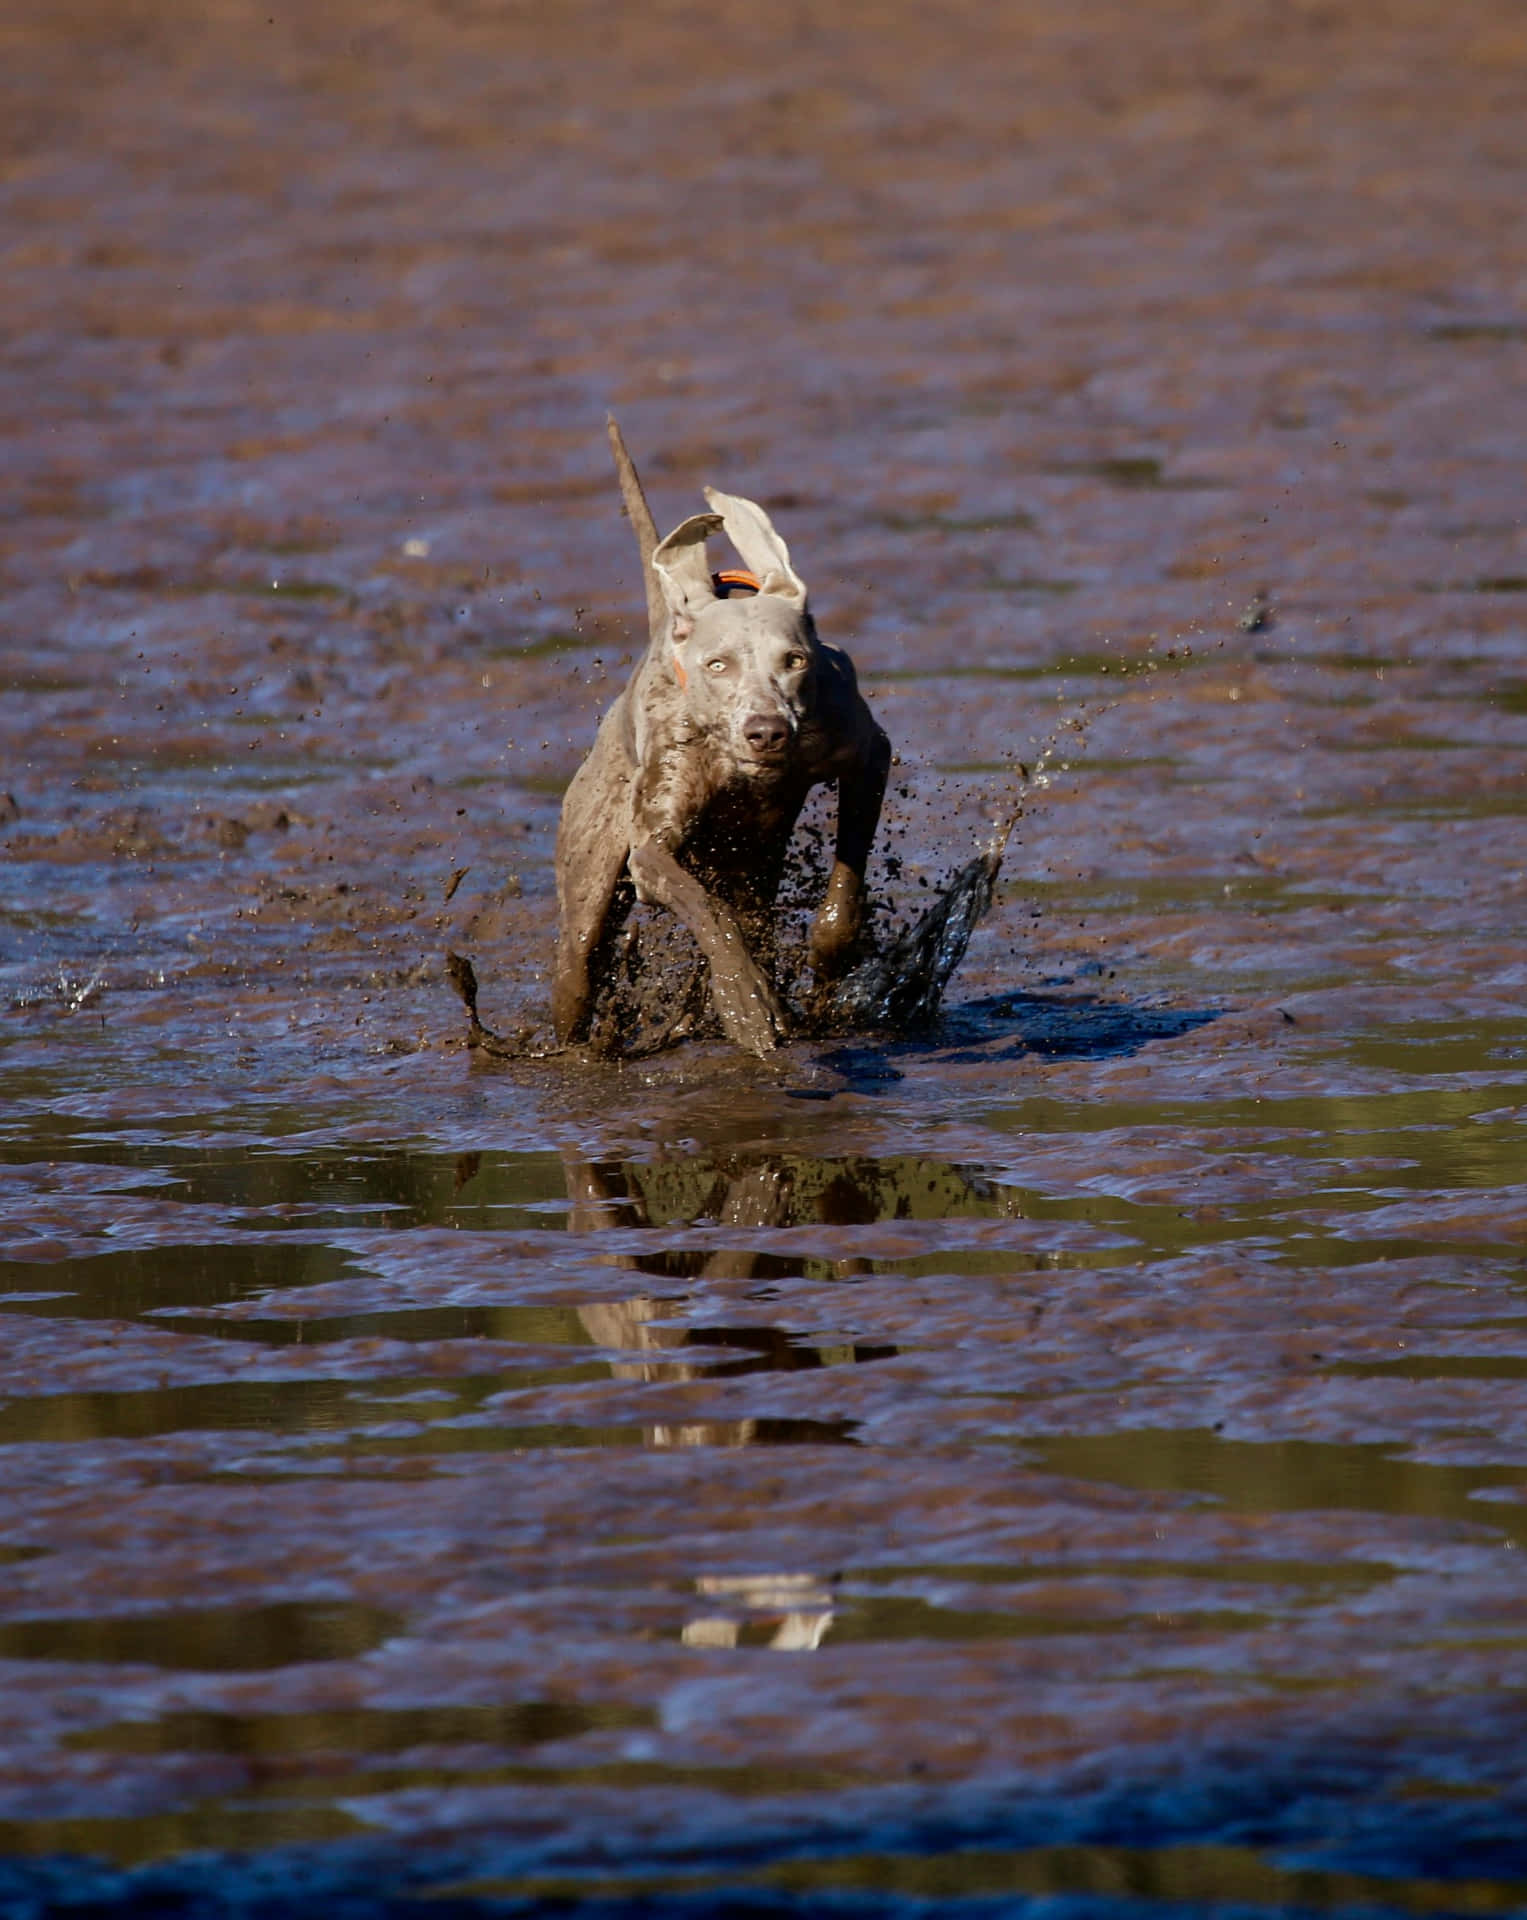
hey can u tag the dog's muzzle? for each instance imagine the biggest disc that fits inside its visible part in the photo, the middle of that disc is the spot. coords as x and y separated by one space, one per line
766 735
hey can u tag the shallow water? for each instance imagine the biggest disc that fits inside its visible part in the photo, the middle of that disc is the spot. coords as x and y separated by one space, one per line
1076 1450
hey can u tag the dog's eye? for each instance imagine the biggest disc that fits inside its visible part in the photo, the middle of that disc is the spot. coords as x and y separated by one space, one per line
794 662
715 666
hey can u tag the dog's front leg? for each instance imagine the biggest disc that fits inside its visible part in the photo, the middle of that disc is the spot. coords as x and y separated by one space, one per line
840 918
592 839
746 1003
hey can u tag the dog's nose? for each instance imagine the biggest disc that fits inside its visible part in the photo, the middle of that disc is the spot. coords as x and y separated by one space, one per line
765 732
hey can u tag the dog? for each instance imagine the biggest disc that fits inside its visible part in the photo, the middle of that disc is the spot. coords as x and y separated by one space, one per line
693 786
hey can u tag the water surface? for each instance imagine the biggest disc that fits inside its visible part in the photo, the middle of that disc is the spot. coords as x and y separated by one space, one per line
1074 1452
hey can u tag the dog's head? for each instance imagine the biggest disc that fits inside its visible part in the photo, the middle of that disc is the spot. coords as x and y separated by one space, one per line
745 663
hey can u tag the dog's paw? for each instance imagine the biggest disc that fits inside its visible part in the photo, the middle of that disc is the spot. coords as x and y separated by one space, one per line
747 1008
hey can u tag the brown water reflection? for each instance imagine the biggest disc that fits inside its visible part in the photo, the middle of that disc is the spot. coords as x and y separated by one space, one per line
390 1730
1162 1874
1294 1475
209 1640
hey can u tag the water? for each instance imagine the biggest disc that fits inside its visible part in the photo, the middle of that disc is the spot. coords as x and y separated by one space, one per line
1070 1449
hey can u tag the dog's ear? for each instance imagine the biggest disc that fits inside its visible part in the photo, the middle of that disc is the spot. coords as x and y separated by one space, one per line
683 569
751 532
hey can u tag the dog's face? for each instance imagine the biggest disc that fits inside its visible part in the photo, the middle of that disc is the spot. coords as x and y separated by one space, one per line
746 672
745 664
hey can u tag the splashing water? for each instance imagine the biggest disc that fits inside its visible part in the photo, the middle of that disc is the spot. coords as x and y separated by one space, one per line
901 986
654 991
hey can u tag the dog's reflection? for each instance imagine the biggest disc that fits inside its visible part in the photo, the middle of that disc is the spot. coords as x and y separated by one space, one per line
775 1191
759 1193
748 1191
755 1194
772 1190
790 1612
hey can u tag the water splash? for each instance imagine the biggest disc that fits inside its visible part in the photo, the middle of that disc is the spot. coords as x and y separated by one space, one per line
901 986
654 994
66 990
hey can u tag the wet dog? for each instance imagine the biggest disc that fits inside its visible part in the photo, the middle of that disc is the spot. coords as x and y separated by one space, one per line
693 786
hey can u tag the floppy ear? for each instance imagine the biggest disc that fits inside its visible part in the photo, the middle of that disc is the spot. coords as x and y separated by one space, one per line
752 533
682 569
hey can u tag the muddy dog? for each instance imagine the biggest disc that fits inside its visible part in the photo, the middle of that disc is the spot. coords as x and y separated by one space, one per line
694 784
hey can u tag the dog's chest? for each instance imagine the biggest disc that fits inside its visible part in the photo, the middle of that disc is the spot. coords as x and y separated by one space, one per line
746 818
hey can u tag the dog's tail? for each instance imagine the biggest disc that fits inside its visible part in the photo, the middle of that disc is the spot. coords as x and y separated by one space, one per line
642 524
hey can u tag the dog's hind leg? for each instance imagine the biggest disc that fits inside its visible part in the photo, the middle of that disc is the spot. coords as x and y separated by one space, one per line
745 1002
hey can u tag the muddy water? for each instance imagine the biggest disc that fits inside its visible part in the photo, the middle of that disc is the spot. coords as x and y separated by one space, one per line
1080 1449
